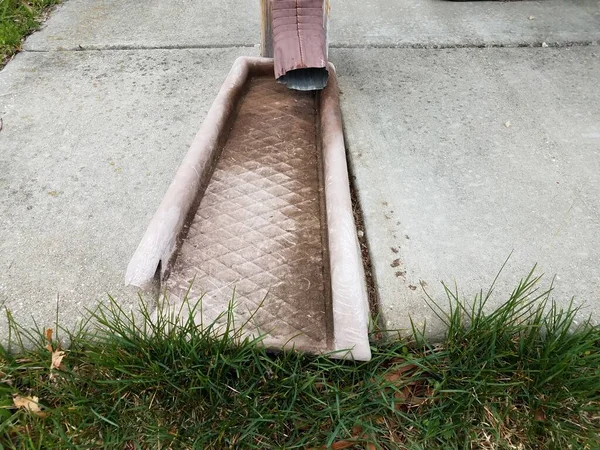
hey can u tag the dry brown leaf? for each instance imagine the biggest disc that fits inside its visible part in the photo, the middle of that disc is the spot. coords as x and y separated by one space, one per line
392 377
30 404
48 335
394 374
57 358
403 394
357 430
540 415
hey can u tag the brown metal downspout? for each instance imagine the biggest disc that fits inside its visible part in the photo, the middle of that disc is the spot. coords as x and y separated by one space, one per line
299 43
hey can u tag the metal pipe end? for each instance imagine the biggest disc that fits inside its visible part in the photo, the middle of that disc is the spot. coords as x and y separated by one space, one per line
305 79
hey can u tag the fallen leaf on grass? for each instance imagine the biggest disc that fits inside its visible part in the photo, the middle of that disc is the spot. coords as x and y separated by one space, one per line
30 404
540 415
397 373
408 392
23 360
57 358
342 444
57 355
48 334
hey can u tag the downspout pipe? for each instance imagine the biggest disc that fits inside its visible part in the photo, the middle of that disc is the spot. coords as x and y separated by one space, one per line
298 42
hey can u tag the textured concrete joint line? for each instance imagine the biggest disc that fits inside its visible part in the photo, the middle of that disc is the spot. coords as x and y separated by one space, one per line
92 48
425 46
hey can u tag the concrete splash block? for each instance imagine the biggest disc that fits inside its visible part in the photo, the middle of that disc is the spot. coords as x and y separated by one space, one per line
260 211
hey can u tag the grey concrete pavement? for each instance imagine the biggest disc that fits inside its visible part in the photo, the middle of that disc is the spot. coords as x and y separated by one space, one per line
89 145
105 24
441 23
91 139
101 24
462 156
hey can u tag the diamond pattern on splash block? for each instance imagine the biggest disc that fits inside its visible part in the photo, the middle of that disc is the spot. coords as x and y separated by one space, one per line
258 231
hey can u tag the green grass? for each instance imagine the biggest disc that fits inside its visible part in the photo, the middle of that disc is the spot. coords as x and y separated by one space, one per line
18 18
523 377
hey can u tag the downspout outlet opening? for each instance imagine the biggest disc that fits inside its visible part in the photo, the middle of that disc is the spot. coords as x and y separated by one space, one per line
305 79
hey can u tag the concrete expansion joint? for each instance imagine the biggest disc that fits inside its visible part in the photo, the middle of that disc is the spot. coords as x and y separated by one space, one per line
427 46
95 48
342 46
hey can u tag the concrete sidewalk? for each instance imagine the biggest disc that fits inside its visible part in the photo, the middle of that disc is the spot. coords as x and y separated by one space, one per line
464 156
460 154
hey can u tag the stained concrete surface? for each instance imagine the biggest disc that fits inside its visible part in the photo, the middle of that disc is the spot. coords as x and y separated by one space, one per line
464 156
89 145
102 24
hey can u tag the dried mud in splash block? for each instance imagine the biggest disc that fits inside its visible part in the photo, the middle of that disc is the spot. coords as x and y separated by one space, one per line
260 211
